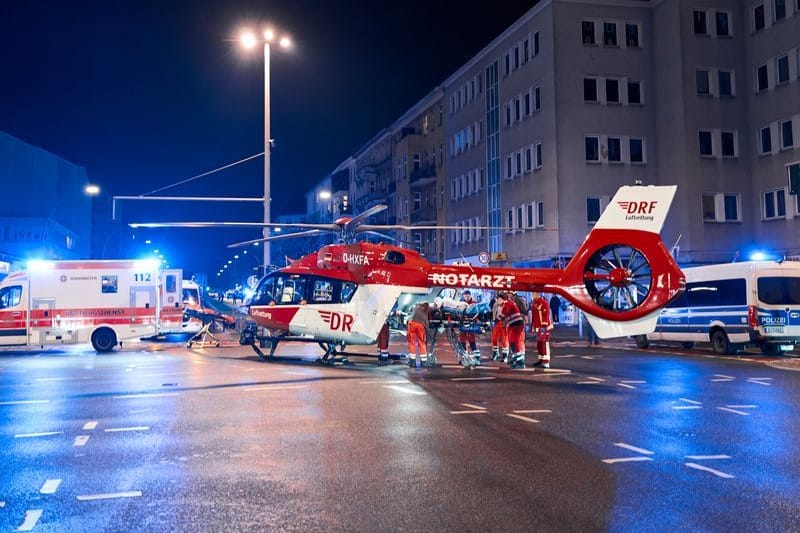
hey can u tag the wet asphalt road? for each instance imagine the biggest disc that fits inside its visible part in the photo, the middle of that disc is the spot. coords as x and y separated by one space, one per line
159 438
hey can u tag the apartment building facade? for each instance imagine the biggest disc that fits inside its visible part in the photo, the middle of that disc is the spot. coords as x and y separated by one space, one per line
577 98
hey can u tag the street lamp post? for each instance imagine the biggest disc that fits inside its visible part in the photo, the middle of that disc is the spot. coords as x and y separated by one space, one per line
249 40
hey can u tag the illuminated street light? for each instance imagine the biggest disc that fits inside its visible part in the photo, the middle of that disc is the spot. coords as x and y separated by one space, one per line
92 190
249 40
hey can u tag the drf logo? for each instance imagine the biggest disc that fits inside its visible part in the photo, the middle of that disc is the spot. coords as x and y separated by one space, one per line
638 208
338 321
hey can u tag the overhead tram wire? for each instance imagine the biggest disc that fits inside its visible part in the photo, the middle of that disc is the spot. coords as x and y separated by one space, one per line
219 169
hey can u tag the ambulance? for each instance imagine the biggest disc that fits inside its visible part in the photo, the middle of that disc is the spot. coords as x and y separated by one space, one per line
102 302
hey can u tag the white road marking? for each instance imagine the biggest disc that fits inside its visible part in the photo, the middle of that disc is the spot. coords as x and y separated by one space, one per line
276 387
760 381
468 412
2 504
43 434
565 356
31 517
473 379
721 379
711 470
684 407
723 376
62 379
749 406
588 382
50 486
626 460
633 381
405 390
588 357
384 381
108 496
155 395
626 385
452 366
88 426
24 402
707 457
523 418
472 406
633 448
81 440
132 428
691 401
735 411
531 411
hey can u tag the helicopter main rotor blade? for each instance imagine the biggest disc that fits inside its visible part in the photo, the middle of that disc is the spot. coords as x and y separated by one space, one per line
373 227
383 236
298 225
357 220
276 237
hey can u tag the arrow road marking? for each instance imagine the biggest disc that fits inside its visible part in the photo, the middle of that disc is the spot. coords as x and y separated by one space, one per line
31 517
50 486
626 460
711 470
707 457
523 418
633 448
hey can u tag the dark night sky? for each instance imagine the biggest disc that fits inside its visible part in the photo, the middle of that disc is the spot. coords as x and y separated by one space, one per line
145 93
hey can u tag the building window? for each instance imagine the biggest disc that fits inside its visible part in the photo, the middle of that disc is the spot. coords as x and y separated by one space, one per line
706 148
538 155
528 159
637 150
700 27
774 204
592 209
766 141
508 63
632 35
780 10
518 163
614 150
758 17
516 57
109 284
787 139
539 214
610 33
537 99
723 28
417 201
527 106
509 167
762 79
517 110
536 44
728 144
782 68
612 91
526 50
530 222
587 29
510 226
508 115
721 207
589 89
725 83
520 220
592 152
634 92
701 77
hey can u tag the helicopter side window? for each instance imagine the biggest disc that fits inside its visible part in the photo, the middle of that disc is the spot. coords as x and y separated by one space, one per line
323 291
348 289
395 258
265 292
291 289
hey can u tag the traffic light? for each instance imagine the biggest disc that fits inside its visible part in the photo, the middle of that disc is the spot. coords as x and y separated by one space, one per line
794 179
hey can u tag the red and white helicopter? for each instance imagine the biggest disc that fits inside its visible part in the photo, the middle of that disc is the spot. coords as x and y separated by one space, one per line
621 276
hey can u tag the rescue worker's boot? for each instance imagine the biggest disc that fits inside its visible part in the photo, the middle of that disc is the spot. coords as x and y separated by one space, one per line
495 353
383 357
412 361
430 362
542 363
505 355
476 357
518 360
421 361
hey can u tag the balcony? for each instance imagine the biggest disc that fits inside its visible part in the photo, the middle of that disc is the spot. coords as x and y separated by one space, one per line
424 216
423 176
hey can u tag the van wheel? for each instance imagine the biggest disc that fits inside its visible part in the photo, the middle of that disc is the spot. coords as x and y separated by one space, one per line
103 340
720 342
641 341
770 349
688 345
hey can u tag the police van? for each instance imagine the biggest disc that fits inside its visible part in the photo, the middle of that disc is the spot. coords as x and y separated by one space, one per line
732 305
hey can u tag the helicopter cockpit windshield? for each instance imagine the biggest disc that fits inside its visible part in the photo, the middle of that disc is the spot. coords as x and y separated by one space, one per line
297 289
